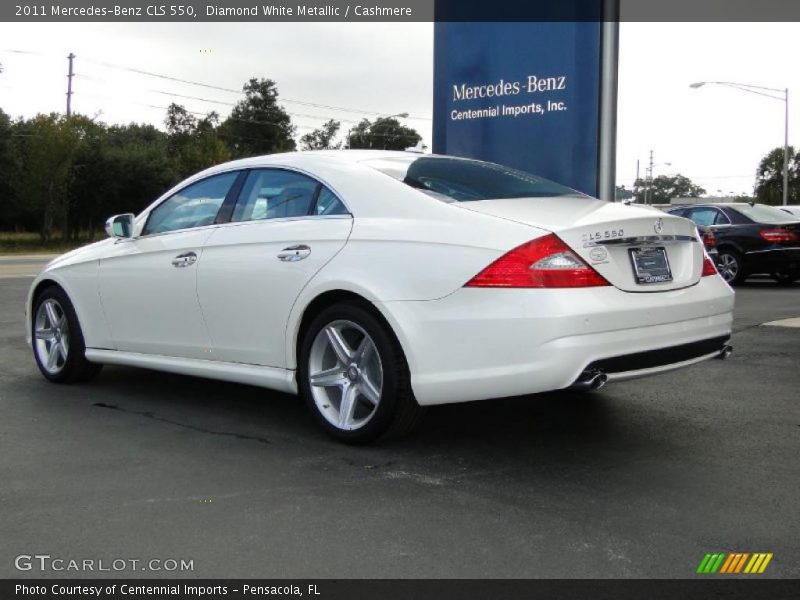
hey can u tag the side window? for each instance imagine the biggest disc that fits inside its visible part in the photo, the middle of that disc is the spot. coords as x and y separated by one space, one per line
722 219
194 206
703 216
274 194
328 204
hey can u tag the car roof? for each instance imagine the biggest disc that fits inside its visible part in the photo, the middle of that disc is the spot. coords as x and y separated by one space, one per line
714 204
312 156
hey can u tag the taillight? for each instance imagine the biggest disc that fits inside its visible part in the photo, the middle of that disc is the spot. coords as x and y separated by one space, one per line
708 239
546 262
778 235
708 266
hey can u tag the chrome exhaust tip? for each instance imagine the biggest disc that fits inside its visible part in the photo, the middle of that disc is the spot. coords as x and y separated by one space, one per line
598 381
590 380
726 351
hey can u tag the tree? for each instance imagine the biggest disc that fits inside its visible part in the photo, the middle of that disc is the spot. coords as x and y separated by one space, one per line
45 148
138 155
322 138
769 180
664 188
194 144
385 133
622 193
257 124
8 204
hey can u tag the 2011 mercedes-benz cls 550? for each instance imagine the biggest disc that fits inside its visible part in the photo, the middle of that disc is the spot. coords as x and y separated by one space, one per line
376 283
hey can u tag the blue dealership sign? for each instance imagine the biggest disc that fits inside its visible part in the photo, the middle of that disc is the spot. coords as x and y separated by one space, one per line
527 95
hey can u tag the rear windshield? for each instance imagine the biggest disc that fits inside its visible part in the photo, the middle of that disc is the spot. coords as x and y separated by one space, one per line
761 213
463 180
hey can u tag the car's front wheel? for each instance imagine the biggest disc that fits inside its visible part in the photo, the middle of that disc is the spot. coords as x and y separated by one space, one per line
354 376
57 339
729 265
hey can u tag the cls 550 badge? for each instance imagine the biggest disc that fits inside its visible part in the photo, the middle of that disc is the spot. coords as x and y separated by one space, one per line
607 234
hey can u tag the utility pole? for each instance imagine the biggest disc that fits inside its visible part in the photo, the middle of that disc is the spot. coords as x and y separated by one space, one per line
755 186
70 74
786 149
648 178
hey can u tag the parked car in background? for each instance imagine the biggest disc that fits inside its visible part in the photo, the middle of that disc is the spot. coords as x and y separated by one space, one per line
750 239
709 242
792 210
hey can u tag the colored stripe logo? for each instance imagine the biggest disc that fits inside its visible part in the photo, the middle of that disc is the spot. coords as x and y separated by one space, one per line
734 563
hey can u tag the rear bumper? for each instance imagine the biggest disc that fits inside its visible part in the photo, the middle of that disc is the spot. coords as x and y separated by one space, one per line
489 343
773 259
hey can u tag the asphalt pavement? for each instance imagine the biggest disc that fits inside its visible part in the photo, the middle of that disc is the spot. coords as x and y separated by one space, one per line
640 479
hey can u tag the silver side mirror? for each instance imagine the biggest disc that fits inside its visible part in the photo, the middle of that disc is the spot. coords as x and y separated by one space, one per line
120 226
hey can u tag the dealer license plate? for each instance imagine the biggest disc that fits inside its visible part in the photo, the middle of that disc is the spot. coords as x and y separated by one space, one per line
650 265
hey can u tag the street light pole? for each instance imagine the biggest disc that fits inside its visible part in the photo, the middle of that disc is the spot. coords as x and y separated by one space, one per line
760 90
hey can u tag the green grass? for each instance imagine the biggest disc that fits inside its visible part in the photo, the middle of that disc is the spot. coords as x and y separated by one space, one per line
12 242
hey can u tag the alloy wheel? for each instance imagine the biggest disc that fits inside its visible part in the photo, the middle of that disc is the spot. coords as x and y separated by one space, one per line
51 336
345 374
728 267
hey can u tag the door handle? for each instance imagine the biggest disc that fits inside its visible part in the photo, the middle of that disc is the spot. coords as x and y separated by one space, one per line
294 253
184 260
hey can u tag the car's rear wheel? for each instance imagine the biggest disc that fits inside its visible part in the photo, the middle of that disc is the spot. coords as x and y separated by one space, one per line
354 377
57 339
729 265
786 278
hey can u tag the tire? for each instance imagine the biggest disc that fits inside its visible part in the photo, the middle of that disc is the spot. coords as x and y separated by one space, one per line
730 267
785 278
59 351
349 353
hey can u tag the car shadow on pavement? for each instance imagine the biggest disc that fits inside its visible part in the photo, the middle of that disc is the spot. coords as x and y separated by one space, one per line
564 424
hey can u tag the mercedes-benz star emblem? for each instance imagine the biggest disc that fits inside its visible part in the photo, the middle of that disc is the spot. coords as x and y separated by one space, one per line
659 225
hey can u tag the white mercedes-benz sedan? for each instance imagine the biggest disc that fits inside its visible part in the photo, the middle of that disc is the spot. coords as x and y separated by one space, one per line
376 283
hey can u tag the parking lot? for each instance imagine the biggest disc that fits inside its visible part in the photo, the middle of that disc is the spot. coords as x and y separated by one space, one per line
640 479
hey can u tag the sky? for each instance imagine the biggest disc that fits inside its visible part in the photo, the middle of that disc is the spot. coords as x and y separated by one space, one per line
714 135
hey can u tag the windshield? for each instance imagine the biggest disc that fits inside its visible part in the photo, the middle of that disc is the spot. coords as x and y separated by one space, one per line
462 180
761 213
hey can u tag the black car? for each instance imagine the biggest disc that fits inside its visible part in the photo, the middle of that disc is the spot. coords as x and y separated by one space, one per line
750 239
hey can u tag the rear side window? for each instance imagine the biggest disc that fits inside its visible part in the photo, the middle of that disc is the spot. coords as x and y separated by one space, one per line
722 219
703 216
761 213
462 180
280 194
328 203
196 205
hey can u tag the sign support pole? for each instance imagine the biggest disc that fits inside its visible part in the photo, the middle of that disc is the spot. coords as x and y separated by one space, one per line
609 57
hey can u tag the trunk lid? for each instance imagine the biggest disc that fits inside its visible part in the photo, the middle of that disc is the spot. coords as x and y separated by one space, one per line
611 237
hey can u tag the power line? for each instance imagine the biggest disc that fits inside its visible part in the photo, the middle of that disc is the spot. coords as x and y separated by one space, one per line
200 99
224 103
22 52
234 91
193 112
138 71
173 94
293 114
